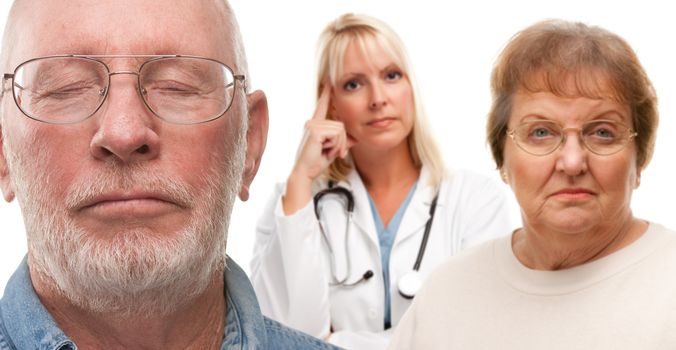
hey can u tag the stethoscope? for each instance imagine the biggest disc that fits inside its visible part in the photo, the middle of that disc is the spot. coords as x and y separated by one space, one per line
408 284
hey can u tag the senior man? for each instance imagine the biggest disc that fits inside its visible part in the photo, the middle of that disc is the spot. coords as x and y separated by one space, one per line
127 132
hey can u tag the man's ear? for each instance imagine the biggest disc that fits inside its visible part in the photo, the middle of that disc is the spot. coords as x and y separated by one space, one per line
257 137
5 183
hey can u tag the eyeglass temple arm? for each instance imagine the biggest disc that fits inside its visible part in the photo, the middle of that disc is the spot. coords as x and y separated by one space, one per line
6 77
242 81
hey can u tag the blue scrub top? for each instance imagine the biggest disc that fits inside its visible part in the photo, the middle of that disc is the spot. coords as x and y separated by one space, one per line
386 239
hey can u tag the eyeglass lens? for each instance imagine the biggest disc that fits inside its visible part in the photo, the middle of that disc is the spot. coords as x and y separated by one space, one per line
184 90
603 137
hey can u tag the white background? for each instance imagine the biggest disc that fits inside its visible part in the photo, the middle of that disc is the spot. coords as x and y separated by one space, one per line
452 46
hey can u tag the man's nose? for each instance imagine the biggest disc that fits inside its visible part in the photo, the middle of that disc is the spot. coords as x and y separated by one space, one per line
572 156
127 129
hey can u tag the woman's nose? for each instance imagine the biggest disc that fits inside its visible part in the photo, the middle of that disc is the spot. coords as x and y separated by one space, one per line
572 156
378 97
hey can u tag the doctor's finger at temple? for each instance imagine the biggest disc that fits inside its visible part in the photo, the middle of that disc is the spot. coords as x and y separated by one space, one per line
323 141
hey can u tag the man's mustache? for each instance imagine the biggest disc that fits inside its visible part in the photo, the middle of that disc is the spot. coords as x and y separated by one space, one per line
130 181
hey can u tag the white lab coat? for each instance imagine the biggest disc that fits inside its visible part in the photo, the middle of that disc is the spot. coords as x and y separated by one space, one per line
291 270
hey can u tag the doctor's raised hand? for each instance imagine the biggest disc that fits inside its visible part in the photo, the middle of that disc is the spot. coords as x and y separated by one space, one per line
323 141
369 207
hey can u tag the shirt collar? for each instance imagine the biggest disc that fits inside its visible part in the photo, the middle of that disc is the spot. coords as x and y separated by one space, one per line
245 324
28 325
26 320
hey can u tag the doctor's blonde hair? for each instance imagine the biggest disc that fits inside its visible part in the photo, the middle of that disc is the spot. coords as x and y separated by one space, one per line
333 44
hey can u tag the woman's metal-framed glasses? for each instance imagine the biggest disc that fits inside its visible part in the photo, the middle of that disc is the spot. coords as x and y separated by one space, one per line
67 89
542 137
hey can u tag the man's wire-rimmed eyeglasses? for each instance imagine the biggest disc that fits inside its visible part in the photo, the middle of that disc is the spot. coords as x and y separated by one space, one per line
67 89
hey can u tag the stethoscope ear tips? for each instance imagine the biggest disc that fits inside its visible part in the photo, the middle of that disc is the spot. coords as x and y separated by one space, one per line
409 284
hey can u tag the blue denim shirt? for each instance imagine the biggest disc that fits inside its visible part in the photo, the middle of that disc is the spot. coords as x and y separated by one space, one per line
26 324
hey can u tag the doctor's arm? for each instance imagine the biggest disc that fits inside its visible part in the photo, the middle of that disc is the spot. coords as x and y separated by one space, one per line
287 270
323 141
289 275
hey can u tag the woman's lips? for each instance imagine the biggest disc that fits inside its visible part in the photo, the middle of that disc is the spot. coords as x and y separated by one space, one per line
574 194
381 122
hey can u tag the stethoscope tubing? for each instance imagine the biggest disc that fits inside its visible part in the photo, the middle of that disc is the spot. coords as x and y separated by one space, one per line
426 234
344 192
347 194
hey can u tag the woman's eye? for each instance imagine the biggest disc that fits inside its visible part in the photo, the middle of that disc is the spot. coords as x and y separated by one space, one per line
540 132
351 85
602 131
393 75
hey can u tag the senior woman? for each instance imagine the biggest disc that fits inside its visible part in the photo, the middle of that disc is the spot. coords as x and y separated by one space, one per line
571 128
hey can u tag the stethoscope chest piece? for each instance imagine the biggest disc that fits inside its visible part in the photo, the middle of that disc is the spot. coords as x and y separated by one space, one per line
409 284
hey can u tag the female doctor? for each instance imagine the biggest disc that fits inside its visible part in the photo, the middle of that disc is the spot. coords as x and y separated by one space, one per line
343 244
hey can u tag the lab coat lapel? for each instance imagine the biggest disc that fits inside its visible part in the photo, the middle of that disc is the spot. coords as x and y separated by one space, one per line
417 213
363 218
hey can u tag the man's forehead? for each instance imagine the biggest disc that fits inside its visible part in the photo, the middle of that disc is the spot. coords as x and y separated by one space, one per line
46 27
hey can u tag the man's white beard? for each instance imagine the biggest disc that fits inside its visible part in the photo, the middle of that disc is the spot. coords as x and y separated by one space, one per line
135 272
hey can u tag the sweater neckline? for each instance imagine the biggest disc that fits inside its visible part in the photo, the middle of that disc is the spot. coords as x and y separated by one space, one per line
567 281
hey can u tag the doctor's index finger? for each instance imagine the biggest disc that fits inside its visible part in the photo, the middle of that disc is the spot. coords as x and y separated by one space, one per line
323 102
